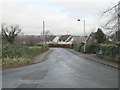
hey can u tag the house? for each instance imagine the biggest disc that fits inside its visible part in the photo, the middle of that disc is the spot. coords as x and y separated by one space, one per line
52 39
55 40
80 39
65 39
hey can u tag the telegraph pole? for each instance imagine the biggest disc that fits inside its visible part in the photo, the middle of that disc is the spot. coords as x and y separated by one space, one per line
44 35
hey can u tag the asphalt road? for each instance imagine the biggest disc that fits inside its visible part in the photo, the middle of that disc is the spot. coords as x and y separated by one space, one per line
61 69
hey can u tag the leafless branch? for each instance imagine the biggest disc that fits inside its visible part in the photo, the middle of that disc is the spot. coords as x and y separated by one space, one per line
114 7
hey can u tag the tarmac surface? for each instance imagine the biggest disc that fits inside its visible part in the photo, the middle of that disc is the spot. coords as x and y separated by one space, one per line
61 69
95 58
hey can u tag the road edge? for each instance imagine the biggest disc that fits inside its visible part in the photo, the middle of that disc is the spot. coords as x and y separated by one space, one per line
40 58
98 61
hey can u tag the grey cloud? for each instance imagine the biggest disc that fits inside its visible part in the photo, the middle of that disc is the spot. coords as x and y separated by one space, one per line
31 17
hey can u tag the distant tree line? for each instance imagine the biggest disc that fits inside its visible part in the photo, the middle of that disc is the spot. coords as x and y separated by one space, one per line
28 39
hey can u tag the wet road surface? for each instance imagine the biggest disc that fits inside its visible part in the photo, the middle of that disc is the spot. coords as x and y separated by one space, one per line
61 69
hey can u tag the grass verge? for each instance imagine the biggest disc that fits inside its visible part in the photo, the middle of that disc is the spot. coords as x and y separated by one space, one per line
18 55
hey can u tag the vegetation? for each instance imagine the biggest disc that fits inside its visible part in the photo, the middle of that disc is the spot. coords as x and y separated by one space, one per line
18 55
91 49
28 40
100 36
113 23
77 47
101 47
110 52
10 32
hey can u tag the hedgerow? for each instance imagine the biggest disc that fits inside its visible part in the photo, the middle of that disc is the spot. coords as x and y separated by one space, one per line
18 55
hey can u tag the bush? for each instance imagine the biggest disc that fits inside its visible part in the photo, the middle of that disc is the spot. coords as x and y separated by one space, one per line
14 51
82 49
34 50
78 47
110 52
93 48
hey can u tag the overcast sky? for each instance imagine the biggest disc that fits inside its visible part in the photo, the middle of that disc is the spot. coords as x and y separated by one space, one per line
60 16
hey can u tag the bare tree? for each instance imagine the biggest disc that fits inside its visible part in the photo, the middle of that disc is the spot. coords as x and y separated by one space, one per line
114 22
10 32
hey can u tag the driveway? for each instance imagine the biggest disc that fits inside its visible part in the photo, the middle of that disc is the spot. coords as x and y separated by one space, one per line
61 69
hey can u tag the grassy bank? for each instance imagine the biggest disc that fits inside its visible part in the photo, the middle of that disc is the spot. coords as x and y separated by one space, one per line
19 55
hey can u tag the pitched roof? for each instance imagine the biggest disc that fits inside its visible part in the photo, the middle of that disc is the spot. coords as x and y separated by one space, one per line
93 35
64 37
50 38
69 38
80 39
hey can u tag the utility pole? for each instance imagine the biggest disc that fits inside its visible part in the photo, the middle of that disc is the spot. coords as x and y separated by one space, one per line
44 35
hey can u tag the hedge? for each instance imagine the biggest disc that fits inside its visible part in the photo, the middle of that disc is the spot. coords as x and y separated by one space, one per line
110 52
18 55
88 48
78 47
94 48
